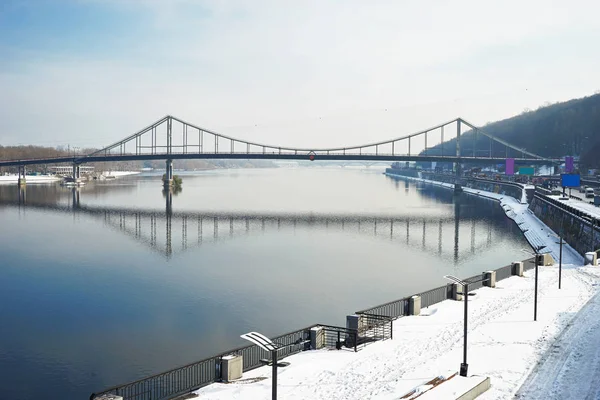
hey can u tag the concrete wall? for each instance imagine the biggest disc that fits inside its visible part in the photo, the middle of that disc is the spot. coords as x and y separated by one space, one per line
410 172
481 184
577 231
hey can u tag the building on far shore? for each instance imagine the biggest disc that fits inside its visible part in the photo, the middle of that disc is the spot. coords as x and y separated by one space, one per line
68 169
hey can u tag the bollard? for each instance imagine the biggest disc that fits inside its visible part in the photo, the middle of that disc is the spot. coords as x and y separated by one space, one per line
455 293
414 305
317 338
591 258
491 279
517 268
231 367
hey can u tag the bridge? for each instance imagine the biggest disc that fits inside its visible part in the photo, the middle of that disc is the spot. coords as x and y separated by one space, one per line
168 232
171 138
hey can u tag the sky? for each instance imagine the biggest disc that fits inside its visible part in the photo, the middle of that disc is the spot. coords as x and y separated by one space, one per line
307 73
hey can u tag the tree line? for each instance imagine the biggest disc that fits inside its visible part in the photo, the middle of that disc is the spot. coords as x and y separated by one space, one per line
570 128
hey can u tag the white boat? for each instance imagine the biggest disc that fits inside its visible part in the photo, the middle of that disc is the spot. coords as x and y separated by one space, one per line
70 182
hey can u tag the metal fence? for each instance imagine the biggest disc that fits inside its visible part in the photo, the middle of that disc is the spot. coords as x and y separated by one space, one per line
376 325
193 376
504 272
171 383
434 296
339 338
374 328
393 309
292 343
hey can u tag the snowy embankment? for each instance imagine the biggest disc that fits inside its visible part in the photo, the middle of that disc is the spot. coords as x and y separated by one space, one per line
535 231
118 174
504 341
584 206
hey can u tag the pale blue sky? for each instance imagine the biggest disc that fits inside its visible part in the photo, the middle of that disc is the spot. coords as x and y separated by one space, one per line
310 73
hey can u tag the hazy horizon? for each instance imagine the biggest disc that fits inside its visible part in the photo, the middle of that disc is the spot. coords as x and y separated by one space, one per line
87 73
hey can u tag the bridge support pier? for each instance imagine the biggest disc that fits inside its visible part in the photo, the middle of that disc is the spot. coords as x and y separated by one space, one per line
168 179
76 173
21 181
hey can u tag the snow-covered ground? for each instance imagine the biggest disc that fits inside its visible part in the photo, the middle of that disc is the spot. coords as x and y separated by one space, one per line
584 206
534 230
118 174
504 344
504 341
30 178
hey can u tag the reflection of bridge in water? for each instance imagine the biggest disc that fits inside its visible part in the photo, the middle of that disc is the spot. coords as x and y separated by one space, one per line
170 232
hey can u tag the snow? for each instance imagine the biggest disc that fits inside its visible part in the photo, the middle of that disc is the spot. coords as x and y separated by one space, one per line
30 178
585 206
504 343
534 229
118 174
572 367
453 388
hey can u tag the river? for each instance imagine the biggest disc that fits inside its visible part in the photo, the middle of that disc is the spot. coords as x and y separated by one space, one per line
115 281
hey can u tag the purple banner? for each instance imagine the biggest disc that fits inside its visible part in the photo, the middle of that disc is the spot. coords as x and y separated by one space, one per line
569 165
510 166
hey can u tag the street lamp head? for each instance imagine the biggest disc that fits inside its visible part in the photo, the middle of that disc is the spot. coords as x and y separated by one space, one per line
454 279
260 340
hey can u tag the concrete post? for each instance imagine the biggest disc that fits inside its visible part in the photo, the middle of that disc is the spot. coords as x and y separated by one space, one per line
456 290
491 279
591 258
108 397
414 305
517 268
317 338
353 322
231 367
547 259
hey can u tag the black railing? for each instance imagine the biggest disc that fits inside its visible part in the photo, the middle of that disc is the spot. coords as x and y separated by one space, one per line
504 272
434 296
376 324
170 383
375 327
339 338
193 376
292 343
392 309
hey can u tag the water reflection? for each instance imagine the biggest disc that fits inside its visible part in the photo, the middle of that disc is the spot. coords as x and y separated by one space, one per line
124 281
170 232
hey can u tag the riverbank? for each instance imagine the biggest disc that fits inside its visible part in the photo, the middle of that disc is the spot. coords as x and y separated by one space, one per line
504 341
534 230
504 344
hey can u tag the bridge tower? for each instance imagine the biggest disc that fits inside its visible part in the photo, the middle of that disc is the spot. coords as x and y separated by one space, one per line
168 180
21 181
76 173
457 164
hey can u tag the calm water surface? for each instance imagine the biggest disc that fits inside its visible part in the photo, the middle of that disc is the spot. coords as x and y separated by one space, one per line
115 281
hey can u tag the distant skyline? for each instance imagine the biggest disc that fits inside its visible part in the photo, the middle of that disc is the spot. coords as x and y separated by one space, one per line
86 73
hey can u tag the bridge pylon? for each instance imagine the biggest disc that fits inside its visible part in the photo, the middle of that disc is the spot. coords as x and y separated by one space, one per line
21 181
168 179
458 164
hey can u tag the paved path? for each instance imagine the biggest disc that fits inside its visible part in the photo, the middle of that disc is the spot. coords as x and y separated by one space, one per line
570 369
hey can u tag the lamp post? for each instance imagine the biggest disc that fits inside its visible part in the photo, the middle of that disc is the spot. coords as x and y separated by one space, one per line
465 284
267 344
537 255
